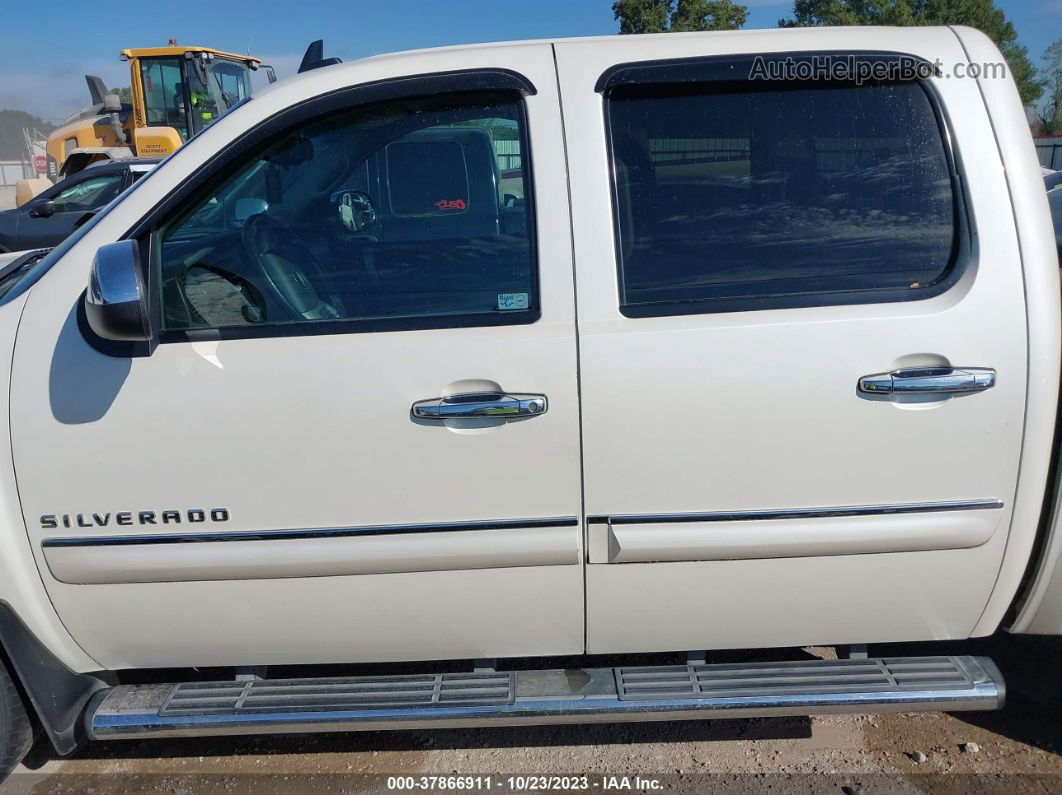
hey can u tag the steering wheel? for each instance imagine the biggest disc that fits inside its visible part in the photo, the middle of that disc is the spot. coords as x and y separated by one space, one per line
289 268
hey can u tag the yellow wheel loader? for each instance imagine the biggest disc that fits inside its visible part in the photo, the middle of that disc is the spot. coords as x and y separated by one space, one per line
176 91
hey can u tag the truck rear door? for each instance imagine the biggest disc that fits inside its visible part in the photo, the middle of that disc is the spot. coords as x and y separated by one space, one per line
752 244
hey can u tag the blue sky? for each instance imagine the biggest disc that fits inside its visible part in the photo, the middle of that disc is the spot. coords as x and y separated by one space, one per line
76 42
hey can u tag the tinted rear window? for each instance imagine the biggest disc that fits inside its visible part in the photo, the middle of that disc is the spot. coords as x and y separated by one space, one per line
425 176
751 195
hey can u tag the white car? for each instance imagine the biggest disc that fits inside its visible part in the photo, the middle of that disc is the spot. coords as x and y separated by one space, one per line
607 346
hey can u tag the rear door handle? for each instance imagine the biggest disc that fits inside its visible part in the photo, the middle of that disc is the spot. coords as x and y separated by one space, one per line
944 380
494 405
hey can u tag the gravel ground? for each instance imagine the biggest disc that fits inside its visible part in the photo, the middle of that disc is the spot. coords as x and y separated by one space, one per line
1016 750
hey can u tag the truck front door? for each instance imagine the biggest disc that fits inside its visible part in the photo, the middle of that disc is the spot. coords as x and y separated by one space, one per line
355 441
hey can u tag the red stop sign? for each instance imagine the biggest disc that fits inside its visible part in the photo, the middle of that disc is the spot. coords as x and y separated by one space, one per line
40 164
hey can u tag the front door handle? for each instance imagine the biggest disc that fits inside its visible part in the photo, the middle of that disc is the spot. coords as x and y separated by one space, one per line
924 380
492 405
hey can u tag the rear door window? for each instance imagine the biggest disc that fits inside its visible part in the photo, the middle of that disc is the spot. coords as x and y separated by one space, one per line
427 176
747 195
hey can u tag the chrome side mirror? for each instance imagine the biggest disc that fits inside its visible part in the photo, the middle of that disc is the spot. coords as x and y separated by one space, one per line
116 303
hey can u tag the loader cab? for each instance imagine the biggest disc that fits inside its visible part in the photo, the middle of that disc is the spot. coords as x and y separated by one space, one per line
186 88
175 92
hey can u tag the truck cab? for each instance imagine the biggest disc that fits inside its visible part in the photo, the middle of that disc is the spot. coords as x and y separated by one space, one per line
583 347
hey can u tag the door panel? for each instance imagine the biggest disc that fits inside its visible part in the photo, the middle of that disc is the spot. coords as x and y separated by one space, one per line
45 232
767 534
751 408
353 531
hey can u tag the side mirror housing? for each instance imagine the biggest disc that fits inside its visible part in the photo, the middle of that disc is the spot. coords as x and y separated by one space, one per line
116 302
43 210
271 73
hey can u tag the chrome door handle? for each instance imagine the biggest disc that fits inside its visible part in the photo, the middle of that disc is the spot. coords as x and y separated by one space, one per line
494 405
912 380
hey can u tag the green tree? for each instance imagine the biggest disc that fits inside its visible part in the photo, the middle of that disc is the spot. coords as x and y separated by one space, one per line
810 13
662 16
12 122
708 15
980 14
1050 113
124 94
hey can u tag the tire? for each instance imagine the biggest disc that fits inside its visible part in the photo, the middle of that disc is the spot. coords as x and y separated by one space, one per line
16 730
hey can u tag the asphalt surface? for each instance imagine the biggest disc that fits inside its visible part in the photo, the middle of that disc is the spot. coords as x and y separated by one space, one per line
1016 750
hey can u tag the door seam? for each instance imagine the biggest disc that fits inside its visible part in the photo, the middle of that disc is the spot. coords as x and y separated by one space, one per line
578 355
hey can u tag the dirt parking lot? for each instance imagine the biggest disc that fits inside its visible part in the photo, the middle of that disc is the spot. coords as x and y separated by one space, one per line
1016 750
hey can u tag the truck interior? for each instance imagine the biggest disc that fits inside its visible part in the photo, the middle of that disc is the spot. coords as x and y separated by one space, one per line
371 211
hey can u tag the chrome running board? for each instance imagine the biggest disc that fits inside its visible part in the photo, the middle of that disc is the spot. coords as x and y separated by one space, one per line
590 695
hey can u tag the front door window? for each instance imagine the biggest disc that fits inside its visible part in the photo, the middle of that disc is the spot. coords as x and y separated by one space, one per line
397 214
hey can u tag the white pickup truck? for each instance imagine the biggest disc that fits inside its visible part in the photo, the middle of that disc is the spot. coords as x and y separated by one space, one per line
587 347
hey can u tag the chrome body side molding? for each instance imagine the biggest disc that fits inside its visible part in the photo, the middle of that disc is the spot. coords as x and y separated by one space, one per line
805 532
334 552
287 535
807 513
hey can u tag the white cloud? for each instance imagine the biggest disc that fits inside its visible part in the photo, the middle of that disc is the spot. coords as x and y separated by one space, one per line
285 66
58 92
